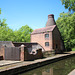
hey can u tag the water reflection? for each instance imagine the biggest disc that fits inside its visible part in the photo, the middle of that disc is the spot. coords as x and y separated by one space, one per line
48 72
62 67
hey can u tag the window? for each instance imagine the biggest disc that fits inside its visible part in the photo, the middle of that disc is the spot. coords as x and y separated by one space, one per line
46 43
46 35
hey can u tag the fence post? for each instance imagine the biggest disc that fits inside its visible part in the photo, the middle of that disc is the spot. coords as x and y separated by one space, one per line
3 48
22 53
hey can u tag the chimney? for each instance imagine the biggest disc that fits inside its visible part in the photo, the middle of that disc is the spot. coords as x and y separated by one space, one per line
51 20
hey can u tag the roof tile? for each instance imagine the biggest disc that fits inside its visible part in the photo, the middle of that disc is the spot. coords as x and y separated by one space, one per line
44 29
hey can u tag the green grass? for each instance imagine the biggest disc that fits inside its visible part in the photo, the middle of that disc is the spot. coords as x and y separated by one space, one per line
73 49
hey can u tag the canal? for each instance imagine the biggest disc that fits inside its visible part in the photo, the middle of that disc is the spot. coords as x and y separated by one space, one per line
62 67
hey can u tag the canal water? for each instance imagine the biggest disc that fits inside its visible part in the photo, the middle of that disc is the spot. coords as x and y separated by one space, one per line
62 67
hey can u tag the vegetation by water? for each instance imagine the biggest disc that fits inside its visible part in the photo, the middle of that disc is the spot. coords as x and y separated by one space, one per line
73 49
63 67
66 25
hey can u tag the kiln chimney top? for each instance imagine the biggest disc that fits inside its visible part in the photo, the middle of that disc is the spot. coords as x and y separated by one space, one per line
50 16
51 20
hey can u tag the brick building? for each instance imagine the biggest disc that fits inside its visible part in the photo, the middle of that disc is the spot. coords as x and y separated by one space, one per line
48 37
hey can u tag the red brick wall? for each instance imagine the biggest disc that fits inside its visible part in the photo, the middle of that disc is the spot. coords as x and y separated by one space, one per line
40 38
57 40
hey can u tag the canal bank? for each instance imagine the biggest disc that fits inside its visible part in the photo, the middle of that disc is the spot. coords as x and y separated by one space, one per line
17 67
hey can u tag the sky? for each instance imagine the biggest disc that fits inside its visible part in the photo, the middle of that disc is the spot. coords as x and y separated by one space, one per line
33 13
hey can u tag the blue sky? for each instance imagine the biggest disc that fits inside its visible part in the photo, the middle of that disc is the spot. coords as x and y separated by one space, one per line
34 13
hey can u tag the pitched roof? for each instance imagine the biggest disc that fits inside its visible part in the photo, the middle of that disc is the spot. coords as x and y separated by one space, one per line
44 29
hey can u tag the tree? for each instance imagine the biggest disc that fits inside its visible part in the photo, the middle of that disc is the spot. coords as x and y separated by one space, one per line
3 24
6 34
0 10
23 34
69 4
0 13
66 25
